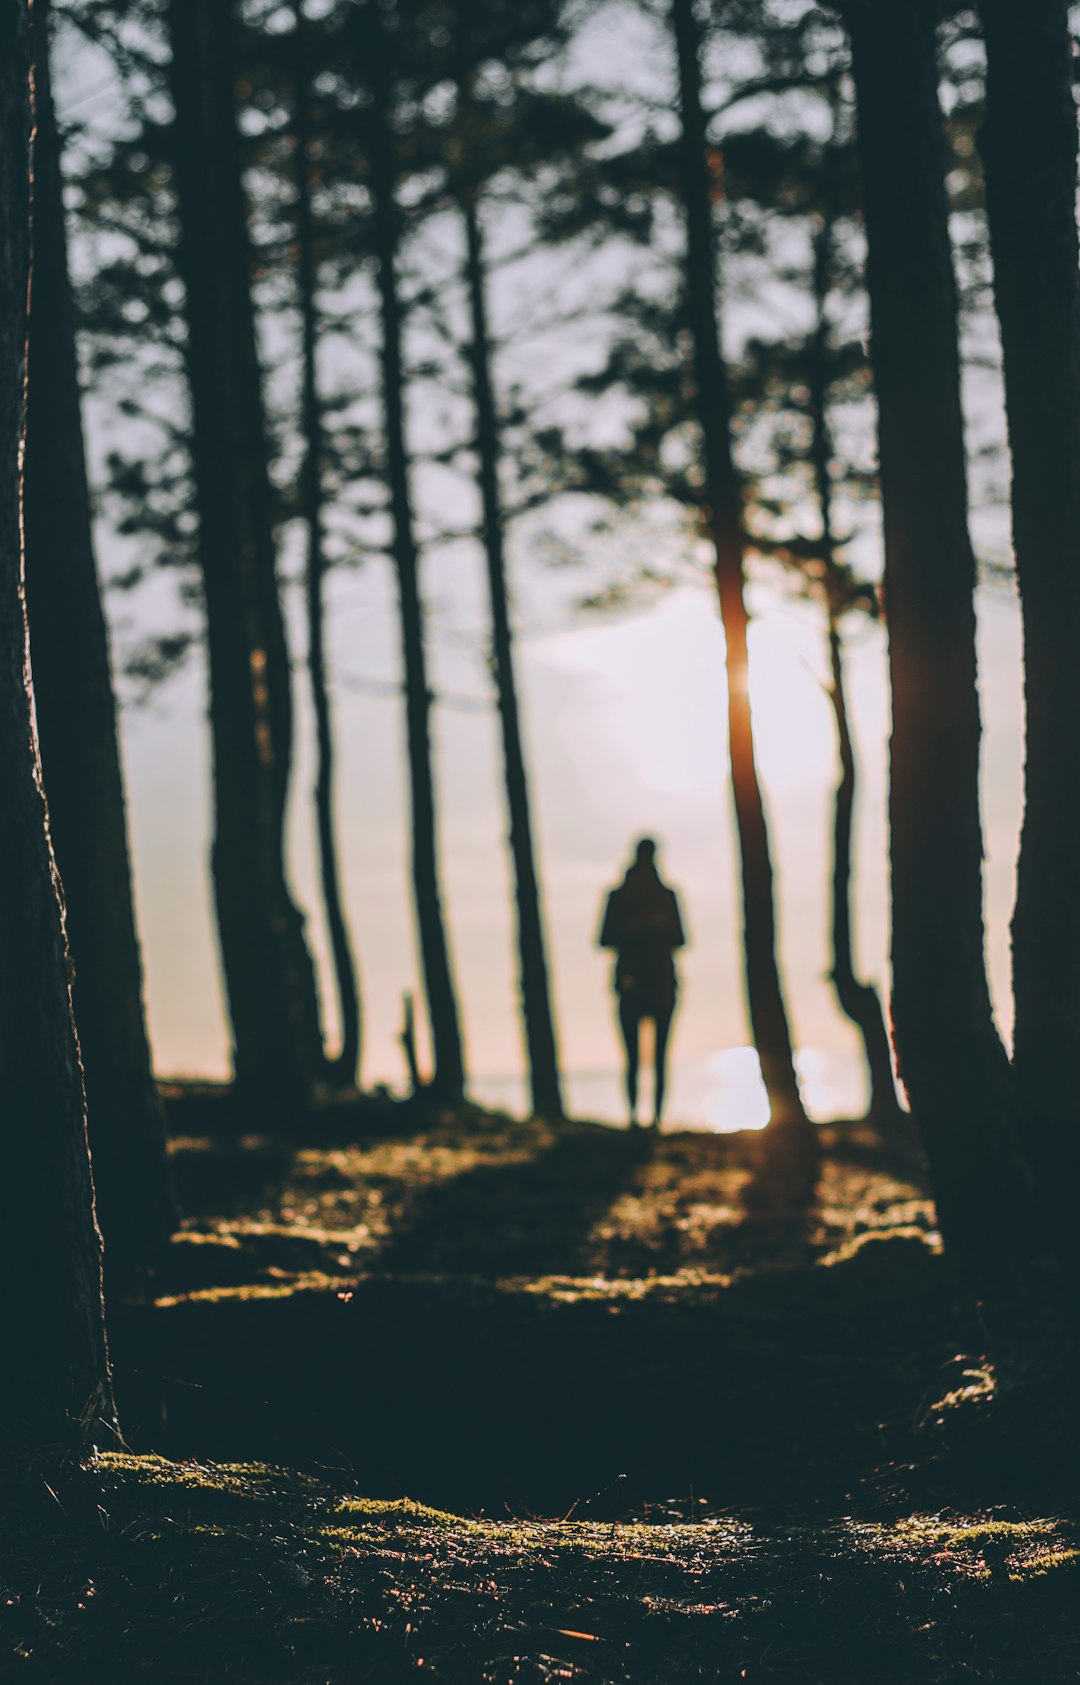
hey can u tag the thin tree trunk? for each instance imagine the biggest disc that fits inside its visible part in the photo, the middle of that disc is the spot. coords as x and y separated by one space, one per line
536 1009
1029 146
76 718
448 1081
269 977
345 1067
722 510
950 1055
57 1394
858 1000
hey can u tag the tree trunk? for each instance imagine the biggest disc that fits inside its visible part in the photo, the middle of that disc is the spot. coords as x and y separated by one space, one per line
859 1001
269 977
344 1069
448 1082
57 1394
537 1015
1029 147
76 719
950 1056
722 512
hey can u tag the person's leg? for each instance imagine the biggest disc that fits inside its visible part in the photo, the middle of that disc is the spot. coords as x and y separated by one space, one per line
662 1021
629 1023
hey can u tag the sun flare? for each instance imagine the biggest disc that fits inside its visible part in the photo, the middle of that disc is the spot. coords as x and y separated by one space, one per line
664 702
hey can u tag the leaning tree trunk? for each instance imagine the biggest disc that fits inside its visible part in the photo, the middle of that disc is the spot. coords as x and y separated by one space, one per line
269 977
57 1394
859 1001
533 967
723 516
343 1069
448 1081
76 718
950 1056
1029 146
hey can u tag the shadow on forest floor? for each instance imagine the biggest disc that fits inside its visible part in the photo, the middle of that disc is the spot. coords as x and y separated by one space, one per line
479 1194
698 1420
520 1312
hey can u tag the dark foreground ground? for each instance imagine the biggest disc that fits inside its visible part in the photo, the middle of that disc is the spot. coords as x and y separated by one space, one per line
681 1416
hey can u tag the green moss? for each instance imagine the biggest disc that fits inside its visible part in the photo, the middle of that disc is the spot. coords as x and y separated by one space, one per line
1044 1558
980 1547
397 1509
136 1484
1013 1532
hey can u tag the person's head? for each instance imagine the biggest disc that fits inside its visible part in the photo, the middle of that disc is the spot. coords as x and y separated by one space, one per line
645 853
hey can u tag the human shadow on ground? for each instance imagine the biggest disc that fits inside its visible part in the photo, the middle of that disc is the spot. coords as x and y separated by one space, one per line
528 1217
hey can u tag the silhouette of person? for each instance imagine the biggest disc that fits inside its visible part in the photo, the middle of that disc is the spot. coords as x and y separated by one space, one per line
643 924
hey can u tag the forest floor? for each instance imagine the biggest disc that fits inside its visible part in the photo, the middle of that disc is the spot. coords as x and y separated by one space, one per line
681 1415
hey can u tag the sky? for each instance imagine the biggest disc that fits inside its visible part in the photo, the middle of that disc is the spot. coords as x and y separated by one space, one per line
624 719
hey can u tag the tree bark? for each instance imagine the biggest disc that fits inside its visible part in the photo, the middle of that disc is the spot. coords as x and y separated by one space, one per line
344 1069
448 1082
859 1001
76 719
950 1056
723 517
1029 147
537 1016
269 977
58 1394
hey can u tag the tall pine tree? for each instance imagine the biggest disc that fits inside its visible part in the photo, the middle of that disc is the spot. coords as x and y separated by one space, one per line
722 515
58 1394
1029 143
950 1056
378 37
269 976
345 1067
76 717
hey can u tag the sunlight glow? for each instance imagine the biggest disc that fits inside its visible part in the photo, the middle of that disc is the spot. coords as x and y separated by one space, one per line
794 733
737 1099
663 703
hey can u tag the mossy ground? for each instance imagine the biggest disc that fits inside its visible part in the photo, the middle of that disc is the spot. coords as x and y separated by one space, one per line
190 1573
666 1413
